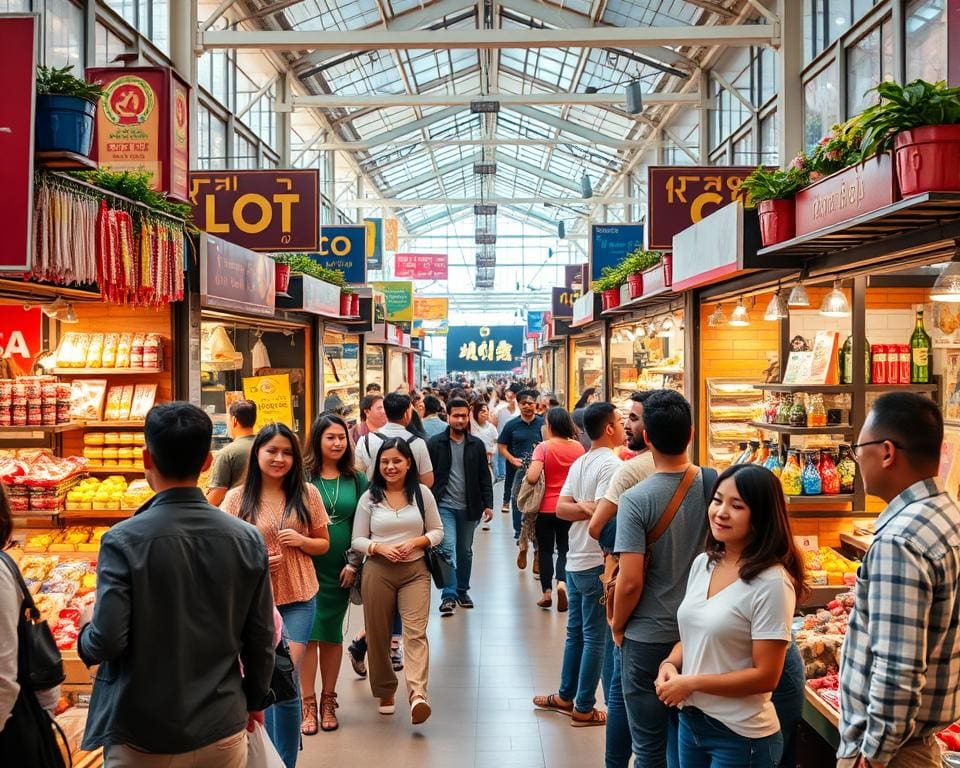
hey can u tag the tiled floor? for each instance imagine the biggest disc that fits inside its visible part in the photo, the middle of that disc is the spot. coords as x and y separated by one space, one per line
485 666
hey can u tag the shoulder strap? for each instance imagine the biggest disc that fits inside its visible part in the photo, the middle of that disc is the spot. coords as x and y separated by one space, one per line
673 506
709 479
411 439
419 499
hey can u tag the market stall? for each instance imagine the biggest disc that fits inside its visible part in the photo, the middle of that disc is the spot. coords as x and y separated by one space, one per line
388 357
587 344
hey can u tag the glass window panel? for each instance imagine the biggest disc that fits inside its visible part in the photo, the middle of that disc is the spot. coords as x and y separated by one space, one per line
769 140
14 6
62 39
926 33
743 153
127 9
821 108
160 25
108 46
864 66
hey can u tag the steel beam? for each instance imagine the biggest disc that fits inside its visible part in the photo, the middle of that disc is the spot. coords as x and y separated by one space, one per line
540 173
428 176
379 202
407 128
380 40
333 101
714 7
567 126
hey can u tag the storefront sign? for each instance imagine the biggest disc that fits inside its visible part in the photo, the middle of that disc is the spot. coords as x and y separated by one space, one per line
235 278
535 324
610 243
391 235
484 347
709 250
344 248
320 298
143 121
398 296
678 196
562 302
573 274
18 63
272 396
846 194
260 210
586 309
20 333
351 351
374 231
421 266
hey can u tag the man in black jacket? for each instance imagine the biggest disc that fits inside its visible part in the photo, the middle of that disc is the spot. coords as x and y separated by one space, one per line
183 599
464 493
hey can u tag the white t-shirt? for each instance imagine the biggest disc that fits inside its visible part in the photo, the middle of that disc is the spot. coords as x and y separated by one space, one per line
487 433
504 414
718 634
587 480
369 445
628 474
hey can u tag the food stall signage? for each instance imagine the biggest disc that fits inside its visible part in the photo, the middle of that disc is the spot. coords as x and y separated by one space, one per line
235 278
344 248
484 347
320 298
709 250
272 396
260 210
574 274
535 324
398 296
610 243
678 196
562 302
430 316
845 195
20 335
18 63
374 233
421 266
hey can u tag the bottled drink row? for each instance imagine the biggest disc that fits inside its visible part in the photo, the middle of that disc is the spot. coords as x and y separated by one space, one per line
823 471
891 363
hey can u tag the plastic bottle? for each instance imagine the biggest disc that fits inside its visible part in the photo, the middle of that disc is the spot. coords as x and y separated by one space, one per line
773 462
846 469
790 476
798 413
816 414
829 476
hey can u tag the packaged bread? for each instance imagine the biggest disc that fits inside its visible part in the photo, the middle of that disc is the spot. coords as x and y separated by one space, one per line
93 453
136 350
110 452
94 351
126 438
109 357
123 350
111 438
93 438
86 399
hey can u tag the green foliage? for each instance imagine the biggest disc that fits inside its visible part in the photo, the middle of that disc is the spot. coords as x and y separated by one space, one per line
836 151
633 263
610 278
302 264
54 81
135 185
902 107
774 183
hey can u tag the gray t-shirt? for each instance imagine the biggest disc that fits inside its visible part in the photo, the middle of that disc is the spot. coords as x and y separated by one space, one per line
654 619
230 465
455 494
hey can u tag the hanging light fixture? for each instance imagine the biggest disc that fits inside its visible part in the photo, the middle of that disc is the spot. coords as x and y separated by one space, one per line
717 317
777 308
666 327
798 296
835 303
70 316
740 317
947 285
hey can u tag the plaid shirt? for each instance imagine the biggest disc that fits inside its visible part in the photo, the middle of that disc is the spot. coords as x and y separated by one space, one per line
900 673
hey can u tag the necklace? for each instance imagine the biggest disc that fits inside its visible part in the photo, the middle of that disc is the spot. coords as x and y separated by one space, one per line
395 509
330 501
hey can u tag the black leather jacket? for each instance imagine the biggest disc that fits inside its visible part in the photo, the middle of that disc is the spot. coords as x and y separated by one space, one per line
475 469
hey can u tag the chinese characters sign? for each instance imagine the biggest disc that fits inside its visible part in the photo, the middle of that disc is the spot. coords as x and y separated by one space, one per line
484 347
678 196
260 210
421 266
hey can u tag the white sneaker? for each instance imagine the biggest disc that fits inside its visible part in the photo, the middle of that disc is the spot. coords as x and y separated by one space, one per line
419 710
387 709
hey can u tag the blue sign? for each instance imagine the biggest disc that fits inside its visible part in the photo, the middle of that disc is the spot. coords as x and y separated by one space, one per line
351 351
484 347
609 243
344 248
534 324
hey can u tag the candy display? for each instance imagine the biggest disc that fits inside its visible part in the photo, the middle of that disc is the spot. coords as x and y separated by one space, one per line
810 480
829 477
790 476
820 636
846 469
110 351
826 566
34 401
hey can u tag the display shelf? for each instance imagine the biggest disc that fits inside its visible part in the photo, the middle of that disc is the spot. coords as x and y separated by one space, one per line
665 371
49 429
821 594
123 424
125 469
900 387
106 371
815 706
786 429
100 514
856 541
840 498
811 389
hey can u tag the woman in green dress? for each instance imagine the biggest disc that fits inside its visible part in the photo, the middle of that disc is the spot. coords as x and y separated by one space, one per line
329 464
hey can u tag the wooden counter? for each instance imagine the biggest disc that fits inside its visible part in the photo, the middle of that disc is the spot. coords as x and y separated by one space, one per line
820 716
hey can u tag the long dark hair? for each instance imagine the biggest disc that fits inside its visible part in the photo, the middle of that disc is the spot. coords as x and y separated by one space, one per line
313 455
772 541
587 394
294 484
6 519
415 426
560 423
378 485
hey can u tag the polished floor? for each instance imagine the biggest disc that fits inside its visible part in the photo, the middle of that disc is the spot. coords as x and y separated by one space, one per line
485 666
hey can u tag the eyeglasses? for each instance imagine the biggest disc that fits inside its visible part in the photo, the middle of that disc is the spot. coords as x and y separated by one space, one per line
855 448
527 402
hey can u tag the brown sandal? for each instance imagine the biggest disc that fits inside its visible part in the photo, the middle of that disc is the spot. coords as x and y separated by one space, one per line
552 703
328 712
545 602
594 717
309 725
522 559
561 599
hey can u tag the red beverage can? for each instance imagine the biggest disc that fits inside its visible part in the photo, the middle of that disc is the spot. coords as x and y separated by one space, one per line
903 354
878 356
893 365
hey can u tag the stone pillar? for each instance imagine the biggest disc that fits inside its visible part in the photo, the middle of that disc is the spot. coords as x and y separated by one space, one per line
789 85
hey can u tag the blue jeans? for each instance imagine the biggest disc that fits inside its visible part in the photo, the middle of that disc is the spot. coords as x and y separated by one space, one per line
282 720
619 746
653 725
499 466
508 498
788 701
708 743
458 545
587 631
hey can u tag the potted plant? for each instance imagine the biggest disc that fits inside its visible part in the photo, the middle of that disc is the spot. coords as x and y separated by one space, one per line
635 265
772 191
66 106
921 122
282 273
608 286
838 150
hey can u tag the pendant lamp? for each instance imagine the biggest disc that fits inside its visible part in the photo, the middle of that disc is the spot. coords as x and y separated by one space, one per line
717 317
777 308
947 285
740 317
798 296
835 303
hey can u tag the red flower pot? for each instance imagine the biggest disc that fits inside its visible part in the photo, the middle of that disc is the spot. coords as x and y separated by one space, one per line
610 298
668 269
282 277
344 304
777 221
636 285
355 305
927 159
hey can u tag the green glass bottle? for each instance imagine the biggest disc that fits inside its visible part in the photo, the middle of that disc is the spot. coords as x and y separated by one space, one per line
846 361
920 353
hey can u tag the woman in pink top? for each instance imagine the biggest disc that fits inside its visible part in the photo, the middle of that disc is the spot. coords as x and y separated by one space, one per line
553 457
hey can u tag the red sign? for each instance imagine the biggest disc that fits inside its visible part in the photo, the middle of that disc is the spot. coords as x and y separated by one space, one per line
846 194
20 336
18 63
260 210
235 278
143 124
421 266
678 196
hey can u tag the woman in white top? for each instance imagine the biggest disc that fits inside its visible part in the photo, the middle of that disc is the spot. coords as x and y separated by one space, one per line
481 426
735 627
397 519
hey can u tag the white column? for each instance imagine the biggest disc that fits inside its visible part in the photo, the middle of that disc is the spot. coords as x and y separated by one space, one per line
789 85
183 46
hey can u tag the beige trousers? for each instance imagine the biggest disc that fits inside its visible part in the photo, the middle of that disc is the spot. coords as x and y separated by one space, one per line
387 589
230 752
917 753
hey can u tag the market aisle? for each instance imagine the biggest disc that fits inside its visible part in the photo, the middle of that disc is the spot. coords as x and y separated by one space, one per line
485 666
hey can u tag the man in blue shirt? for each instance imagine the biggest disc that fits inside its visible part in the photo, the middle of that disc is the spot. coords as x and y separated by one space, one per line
516 442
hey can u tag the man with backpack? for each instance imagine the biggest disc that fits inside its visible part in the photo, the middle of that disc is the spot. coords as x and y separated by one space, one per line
398 408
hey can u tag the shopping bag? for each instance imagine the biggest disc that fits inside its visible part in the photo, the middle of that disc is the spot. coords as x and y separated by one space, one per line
260 750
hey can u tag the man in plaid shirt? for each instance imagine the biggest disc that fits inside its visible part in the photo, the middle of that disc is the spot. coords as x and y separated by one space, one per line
900 673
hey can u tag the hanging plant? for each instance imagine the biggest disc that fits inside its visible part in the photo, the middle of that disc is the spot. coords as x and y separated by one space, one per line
774 183
135 185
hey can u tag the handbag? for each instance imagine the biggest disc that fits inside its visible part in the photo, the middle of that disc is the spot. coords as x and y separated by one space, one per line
283 683
260 750
440 566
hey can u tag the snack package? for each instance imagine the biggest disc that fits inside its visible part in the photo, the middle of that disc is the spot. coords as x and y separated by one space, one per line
123 350
110 343
143 399
95 351
86 399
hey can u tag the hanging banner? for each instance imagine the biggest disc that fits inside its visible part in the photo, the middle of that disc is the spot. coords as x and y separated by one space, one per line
535 324
484 347
260 210
235 278
574 273
610 243
678 196
142 124
374 230
561 305
20 334
421 266
344 248
430 316
18 64
272 397
391 235
398 296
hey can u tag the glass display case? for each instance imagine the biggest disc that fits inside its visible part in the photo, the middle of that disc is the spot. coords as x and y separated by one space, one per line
341 374
586 366
373 365
646 354
732 404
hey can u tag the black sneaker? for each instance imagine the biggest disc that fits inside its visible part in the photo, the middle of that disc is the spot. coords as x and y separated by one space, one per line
464 600
448 606
357 650
396 658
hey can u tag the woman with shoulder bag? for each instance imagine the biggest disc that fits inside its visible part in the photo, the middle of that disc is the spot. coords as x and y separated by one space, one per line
553 458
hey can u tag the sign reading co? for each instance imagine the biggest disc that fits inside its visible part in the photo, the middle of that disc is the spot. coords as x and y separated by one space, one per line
260 210
344 248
